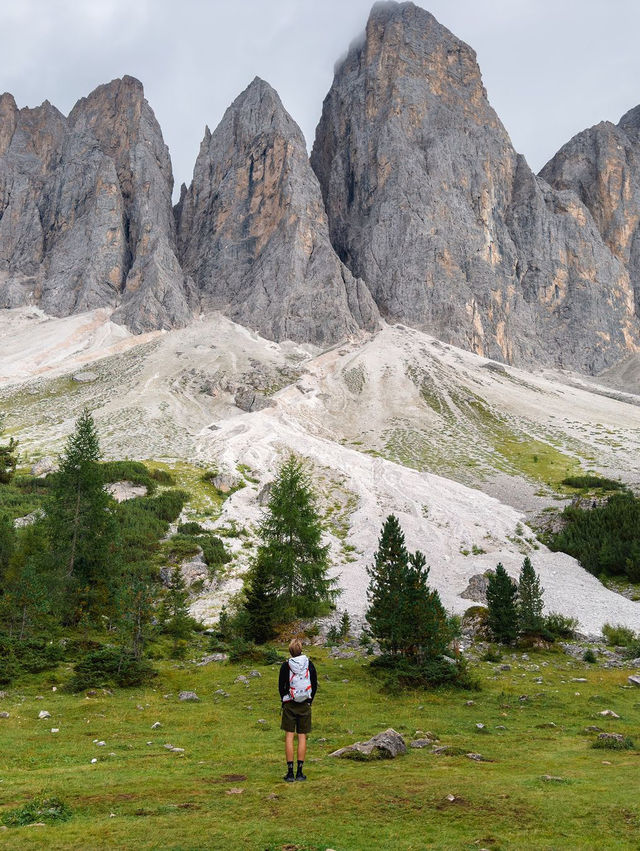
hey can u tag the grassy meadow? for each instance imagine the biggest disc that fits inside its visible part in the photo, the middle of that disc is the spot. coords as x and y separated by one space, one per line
225 790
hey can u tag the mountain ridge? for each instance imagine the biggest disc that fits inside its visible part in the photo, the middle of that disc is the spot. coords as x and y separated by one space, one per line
414 205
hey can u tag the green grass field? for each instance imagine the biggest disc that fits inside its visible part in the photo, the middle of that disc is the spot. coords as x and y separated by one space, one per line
225 791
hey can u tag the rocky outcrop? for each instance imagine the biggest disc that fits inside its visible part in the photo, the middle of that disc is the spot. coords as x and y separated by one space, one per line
85 210
429 203
253 231
601 166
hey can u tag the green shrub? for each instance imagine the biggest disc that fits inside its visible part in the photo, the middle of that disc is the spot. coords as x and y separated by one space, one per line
190 529
589 656
605 539
109 666
30 655
168 505
213 551
491 654
591 482
618 635
622 744
241 650
163 477
41 809
130 471
399 673
560 626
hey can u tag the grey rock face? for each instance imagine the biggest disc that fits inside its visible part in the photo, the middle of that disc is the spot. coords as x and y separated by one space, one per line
429 203
85 210
601 166
253 231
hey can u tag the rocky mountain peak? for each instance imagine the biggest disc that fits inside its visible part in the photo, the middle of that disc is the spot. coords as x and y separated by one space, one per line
253 232
630 121
429 204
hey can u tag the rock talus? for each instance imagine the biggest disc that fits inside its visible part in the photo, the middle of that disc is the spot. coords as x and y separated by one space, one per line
253 232
429 203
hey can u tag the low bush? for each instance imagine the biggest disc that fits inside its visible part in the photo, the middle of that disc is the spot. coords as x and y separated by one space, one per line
623 743
190 529
400 672
618 635
246 651
129 471
589 656
491 654
560 626
591 482
109 666
30 655
162 477
41 809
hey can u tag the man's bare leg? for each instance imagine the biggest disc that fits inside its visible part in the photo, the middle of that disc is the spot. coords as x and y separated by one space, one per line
288 746
302 747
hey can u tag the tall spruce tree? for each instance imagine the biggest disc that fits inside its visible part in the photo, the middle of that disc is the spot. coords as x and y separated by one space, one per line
81 525
404 614
261 604
503 614
291 554
529 600
386 578
174 613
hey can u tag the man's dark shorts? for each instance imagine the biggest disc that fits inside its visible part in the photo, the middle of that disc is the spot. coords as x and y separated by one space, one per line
296 717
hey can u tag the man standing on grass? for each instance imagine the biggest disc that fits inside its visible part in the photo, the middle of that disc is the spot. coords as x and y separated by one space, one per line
298 683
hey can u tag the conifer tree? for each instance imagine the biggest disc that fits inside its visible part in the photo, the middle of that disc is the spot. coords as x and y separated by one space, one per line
291 560
529 600
404 614
503 615
81 525
386 577
174 615
8 459
261 604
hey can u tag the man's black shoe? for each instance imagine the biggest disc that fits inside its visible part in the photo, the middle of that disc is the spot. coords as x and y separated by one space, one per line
289 777
301 776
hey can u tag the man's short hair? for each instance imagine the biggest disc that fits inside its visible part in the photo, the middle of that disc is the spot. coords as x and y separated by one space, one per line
295 647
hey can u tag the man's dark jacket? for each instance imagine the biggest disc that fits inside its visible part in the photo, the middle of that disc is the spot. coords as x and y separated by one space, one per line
283 680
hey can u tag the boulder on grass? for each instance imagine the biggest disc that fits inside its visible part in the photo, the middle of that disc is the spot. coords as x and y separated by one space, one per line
386 745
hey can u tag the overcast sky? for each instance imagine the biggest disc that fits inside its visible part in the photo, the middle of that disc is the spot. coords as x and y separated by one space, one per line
551 67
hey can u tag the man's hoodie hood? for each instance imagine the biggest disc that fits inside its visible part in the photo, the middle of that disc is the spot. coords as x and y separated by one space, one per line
299 664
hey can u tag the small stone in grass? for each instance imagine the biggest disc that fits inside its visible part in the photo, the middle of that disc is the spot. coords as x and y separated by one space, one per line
44 714
93 760
189 695
608 713
156 726
55 729
235 791
550 778
4 714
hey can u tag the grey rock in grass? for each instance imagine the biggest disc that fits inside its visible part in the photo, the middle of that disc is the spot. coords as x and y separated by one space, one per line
253 231
85 377
241 679
213 657
44 714
4 714
421 743
608 713
386 745
188 696
634 680
429 203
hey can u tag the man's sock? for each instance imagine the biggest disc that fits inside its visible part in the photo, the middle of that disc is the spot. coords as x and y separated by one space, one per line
289 774
299 772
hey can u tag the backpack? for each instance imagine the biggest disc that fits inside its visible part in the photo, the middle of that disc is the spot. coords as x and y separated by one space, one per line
300 685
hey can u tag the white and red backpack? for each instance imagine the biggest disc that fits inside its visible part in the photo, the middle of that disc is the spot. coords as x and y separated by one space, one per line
299 679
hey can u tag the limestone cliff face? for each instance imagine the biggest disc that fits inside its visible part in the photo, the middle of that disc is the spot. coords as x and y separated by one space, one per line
429 203
253 231
601 166
85 210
